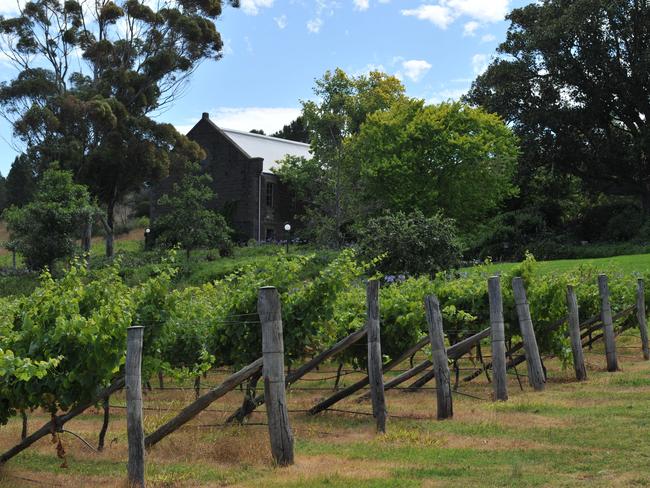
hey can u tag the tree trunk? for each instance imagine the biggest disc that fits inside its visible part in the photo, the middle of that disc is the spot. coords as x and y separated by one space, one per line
102 433
109 227
86 241
249 404
23 433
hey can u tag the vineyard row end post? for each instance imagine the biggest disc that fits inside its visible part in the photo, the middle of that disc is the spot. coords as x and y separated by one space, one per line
439 357
135 430
574 334
375 374
641 316
608 324
270 312
536 376
498 339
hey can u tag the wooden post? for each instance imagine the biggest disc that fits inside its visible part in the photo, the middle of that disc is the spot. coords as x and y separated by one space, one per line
268 307
574 334
641 316
608 324
498 338
536 377
374 355
439 357
135 432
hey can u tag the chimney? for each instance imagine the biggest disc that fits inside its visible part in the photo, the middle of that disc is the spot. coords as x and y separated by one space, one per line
206 116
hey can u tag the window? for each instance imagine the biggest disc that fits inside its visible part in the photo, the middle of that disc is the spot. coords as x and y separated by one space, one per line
269 195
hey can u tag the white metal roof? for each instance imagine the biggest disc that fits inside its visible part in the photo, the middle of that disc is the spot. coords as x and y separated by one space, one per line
271 149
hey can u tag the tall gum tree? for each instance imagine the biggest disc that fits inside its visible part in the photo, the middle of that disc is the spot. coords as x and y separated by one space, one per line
91 73
573 80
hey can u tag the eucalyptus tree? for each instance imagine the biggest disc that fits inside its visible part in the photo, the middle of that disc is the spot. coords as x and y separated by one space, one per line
90 76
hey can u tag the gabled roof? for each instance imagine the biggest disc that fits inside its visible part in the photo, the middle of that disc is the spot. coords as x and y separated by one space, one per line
270 149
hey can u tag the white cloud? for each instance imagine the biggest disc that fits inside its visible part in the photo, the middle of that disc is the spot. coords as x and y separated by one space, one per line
269 119
436 14
446 95
323 8
314 25
479 63
361 4
415 69
10 6
249 44
481 10
367 69
488 38
444 12
281 21
469 29
252 7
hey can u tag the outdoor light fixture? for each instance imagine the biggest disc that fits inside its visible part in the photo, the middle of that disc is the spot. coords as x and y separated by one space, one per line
287 227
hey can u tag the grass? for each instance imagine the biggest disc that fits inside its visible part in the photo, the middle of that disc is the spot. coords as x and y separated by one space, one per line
203 266
635 263
592 433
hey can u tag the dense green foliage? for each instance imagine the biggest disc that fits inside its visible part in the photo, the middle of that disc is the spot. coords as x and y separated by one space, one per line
21 182
410 243
66 340
448 158
572 79
187 220
45 229
376 150
327 185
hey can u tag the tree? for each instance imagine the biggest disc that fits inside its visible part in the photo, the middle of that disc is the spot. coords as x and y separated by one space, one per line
330 179
44 229
21 182
91 73
187 220
296 130
259 132
3 192
573 80
449 157
410 243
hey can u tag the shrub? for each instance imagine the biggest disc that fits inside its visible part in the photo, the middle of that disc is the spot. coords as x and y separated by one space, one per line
44 230
410 243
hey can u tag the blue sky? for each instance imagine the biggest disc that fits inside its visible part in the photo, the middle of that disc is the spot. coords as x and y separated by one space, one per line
275 49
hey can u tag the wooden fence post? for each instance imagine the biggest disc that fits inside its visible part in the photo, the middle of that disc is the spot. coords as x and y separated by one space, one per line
533 361
439 357
608 324
270 312
574 334
135 432
375 374
498 338
641 316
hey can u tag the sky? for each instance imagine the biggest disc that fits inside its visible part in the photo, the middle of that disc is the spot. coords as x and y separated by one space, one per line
275 49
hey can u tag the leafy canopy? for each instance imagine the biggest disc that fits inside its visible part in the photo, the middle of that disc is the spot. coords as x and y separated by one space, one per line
448 157
187 219
573 80
45 229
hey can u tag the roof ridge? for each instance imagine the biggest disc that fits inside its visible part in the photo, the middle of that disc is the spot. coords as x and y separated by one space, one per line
264 136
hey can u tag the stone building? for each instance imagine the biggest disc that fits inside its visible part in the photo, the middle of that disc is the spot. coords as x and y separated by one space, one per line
253 200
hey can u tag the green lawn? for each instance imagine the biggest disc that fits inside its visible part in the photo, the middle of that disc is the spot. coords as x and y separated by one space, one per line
634 263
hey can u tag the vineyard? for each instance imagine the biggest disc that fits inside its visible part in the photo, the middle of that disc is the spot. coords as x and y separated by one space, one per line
354 349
